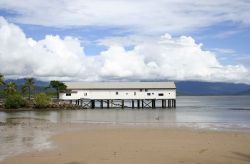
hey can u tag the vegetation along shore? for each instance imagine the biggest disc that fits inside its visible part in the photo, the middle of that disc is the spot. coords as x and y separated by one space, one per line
14 99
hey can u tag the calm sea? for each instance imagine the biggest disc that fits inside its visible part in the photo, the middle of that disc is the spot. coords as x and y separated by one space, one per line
25 131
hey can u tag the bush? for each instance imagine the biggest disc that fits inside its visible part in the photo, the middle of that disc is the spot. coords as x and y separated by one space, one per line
41 100
15 101
2 94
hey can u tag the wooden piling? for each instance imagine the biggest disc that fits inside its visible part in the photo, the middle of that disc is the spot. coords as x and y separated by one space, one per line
92 104
107 103
101 105
122 103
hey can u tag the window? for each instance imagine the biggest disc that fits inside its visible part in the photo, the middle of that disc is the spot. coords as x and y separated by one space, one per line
153 93
126 93
148 94
116 93
68 94
135 93
160 94
85 94
140 90
146 90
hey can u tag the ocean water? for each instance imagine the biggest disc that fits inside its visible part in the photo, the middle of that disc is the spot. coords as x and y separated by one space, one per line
30 130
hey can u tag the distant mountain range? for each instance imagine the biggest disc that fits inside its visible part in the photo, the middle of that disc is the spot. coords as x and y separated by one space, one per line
183 87
211 88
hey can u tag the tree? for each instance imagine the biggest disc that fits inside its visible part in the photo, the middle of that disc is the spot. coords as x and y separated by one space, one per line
58 86
11 88
14 101
24 90
41 100
1 80
29 85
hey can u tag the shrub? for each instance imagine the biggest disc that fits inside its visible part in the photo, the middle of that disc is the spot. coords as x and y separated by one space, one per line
2 95
41 100
15 101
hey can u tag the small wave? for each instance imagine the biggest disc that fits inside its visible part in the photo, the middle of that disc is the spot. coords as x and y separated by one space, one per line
239 109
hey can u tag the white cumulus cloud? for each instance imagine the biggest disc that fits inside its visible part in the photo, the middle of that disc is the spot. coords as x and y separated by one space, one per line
135 15
149 58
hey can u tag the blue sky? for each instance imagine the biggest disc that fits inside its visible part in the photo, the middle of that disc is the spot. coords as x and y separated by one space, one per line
226 35
221 27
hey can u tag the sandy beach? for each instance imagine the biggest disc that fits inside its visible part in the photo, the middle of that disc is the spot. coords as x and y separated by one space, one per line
125 145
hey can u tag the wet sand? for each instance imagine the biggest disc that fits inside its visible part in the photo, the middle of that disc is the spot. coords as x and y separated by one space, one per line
124 145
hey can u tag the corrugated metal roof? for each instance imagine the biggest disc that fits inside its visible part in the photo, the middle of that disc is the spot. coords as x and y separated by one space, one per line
120 85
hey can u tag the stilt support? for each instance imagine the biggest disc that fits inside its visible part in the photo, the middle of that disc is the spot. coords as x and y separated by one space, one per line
101 104
133 104
122 103
107 103
92 104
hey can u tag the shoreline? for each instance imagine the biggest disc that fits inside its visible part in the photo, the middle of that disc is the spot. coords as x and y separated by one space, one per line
123 144
209 126
39 109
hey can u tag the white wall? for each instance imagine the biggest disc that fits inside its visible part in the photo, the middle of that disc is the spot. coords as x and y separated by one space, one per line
122 94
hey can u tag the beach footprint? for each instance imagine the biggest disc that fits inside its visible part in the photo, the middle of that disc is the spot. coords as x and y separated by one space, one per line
202 151
74 162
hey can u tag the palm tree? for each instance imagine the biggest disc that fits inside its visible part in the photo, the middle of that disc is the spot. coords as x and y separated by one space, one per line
1 80
59 86
23 90
11 88
29 85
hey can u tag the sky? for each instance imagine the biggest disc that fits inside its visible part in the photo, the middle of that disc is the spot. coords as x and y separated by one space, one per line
126 40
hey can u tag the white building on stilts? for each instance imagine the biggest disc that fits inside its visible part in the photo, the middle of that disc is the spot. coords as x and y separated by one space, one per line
121 94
